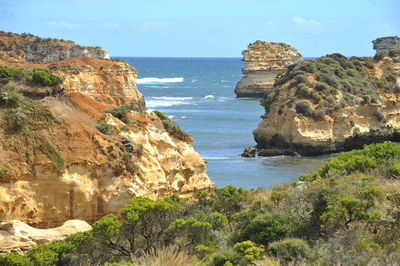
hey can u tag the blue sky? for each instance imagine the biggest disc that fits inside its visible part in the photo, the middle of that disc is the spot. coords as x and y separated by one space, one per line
214 28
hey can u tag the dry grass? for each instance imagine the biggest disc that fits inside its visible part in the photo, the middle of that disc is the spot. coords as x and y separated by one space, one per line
167 256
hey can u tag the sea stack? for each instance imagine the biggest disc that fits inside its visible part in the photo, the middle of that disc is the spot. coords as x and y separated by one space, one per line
332 104
263 61
386 43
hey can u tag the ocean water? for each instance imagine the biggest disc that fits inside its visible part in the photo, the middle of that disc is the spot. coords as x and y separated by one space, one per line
197 93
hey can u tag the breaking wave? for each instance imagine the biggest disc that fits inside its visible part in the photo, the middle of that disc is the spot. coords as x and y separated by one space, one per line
151 80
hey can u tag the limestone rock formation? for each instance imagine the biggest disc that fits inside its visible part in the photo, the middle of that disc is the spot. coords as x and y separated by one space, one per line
332 104
17 236
263 62
33 49
386 43
83 148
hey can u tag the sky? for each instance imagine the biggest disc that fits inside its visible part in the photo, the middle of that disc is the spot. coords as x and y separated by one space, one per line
207 28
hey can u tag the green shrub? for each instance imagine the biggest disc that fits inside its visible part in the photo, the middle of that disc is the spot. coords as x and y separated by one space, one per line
103 128
270 227
394 170
120 113
52 154
14 259
380 55
173 128
290 249
43 256
43 77
361 160
6 74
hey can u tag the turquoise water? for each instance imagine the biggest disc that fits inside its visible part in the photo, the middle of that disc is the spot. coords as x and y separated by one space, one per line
197 93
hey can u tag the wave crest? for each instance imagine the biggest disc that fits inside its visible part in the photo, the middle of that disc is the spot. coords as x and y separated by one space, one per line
152 80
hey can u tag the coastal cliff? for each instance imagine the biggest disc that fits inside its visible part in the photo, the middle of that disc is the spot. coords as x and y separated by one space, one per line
263 62
33 49
75 143
332 104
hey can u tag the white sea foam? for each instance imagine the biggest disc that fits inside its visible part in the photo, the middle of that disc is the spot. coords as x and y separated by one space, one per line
209 97
172 98
152 80
161 103
218 158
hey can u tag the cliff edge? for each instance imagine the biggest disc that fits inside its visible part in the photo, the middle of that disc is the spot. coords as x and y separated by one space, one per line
263 61
33 49
76 143
332 104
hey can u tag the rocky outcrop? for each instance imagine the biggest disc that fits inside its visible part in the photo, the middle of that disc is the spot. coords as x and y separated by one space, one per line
16 236
85 147
263 62
386 43
33 49
331 104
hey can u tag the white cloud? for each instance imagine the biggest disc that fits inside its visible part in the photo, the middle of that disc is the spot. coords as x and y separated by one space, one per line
304 22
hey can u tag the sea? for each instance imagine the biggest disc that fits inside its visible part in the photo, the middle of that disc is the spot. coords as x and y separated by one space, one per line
198 95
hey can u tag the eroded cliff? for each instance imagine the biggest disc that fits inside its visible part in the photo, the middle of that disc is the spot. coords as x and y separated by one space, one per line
33 49
263 62
332 104
80 147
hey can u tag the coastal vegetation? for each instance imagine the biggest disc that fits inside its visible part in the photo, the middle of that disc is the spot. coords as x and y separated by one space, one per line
346 212
22 113
173 128
324 85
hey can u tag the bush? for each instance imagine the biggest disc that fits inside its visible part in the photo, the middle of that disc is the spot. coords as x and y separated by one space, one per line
14 259
43 256
173 128
303 107
270 227
43 77
6 74
362 160
103 128
120 113
290 249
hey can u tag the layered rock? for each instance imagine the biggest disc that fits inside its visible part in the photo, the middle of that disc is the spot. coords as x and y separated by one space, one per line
33 49
386 43
72 158
263 62
332 104
17 236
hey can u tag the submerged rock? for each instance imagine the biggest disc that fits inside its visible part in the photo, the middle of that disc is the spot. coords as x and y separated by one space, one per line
263 62
249 152
331 104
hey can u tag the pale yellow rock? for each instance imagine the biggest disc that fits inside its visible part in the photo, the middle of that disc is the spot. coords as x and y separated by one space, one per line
18 236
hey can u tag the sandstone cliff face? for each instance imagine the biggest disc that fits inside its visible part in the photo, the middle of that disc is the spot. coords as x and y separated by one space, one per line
263 62
63 156
331 104
16 236
29 48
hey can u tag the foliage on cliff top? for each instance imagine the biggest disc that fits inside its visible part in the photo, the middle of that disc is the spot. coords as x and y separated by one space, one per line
330 83
348 214
33 77
173 128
